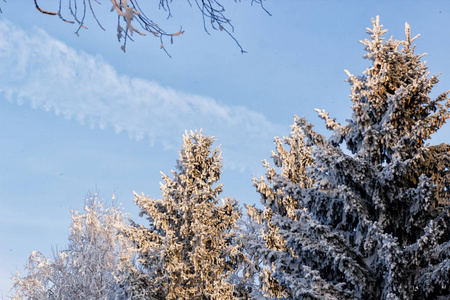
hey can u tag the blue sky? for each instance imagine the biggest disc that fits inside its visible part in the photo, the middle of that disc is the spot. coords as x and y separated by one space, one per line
79 115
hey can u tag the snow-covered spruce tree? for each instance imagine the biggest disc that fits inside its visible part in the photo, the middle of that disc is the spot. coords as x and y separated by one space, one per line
91 267
246 279
188 249
293 162
374 224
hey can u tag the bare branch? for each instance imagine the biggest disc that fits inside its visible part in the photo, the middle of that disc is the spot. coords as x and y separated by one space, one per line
260 2
93 14
82 19
44 11
59 14
129 12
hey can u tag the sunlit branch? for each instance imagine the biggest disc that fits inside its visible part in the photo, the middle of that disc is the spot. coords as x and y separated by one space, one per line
44 11
129 11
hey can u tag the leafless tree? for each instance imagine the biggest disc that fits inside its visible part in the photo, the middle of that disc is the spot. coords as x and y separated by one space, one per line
129 13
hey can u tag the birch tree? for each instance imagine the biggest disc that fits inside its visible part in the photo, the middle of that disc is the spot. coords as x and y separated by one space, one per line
91 267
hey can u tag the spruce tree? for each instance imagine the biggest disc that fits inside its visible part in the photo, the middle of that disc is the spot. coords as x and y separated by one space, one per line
373 224
293 162
188 249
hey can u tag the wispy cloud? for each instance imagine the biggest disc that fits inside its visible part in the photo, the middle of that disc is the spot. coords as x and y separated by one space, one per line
44 72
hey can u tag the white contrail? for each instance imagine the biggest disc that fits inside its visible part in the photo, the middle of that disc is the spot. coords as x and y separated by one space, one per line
44 72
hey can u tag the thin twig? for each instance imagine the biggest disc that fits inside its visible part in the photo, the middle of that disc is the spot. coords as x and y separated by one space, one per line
93 14
74 13
262 6
59 14
211 10
82 19
44 11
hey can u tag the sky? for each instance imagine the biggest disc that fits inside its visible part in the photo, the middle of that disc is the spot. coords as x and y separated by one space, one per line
77 115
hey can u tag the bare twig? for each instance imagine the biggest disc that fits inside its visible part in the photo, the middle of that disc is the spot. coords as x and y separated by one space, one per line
81 23
260 2
129 11
1 13
59 14
44 11
93 14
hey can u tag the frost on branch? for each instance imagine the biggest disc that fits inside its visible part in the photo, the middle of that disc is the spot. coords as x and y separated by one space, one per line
130 16
293 162
375 224
246 279
392 111
188 249
91 267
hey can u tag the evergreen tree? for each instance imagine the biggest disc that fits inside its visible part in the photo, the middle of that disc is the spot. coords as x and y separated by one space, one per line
246 280
91 267
293 162
188 249
374 224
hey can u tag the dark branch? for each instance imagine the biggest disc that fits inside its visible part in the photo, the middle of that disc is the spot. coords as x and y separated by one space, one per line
59 14
129 12
44 11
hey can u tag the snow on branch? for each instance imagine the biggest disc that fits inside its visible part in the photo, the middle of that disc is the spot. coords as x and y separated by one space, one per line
129 12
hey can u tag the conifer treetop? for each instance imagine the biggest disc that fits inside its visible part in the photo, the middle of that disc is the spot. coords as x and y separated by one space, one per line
188 250
392 111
